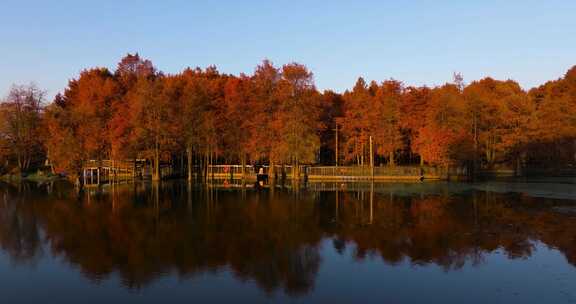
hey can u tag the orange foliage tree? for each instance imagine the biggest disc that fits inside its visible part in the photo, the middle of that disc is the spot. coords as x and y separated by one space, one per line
277 116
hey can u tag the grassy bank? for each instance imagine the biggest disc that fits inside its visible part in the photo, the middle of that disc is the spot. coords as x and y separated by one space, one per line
38 177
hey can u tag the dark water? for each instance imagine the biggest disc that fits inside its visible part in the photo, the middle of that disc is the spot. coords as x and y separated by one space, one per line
324 243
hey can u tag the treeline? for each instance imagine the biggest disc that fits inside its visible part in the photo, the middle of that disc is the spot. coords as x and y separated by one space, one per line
277 116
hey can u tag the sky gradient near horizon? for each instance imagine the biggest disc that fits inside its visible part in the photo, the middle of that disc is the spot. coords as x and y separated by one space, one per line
417 42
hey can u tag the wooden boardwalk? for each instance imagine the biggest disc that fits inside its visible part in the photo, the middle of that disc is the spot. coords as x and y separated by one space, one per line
248 172
375 173
95 172
333 173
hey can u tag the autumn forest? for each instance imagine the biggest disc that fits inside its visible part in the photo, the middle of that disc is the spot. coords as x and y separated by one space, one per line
278 116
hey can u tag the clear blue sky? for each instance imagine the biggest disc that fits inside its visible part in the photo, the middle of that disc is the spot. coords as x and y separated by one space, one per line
417 42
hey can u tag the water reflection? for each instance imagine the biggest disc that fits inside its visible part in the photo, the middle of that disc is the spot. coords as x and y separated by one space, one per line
271 236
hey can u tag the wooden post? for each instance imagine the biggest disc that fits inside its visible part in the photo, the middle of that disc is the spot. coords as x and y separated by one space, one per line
371 159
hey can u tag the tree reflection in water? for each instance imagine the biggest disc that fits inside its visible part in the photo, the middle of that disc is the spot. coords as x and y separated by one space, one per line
274 238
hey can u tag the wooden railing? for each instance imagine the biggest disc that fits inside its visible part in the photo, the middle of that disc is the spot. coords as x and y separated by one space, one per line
235 171
393 172
222 170
117 164
332 172
95 172
112 169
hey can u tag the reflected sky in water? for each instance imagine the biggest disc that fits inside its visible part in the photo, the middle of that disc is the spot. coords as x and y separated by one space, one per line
341 243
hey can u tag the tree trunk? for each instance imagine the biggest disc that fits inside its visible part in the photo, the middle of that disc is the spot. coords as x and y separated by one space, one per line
575 150
19 164
212 155
206 164
371 159
391 163
156 171
243 164
336 152
189 159
201 165
362 157
26 164
297 169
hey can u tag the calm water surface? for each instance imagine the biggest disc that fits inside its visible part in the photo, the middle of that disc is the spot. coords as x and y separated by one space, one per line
497 242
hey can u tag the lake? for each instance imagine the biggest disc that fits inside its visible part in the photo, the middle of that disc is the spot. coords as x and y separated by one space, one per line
508 241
